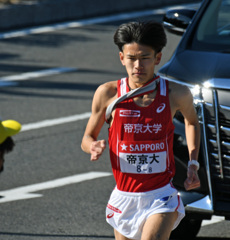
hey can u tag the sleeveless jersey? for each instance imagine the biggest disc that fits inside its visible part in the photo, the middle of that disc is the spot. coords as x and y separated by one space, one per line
141 142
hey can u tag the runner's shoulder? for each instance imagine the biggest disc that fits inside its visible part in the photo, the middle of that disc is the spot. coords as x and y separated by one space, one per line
107 91
179 90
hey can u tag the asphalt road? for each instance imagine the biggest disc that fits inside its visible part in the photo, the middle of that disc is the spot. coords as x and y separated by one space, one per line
50 189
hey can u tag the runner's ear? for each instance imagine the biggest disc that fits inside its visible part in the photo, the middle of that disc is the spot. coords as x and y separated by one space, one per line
121 54
158 58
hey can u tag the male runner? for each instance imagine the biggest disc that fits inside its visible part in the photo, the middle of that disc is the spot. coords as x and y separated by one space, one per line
144 204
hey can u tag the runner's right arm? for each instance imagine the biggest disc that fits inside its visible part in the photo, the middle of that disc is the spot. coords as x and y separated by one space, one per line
102 98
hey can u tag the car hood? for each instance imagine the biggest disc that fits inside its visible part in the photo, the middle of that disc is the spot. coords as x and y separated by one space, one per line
196 67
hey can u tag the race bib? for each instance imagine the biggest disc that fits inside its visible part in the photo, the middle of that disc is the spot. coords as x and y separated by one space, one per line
142 157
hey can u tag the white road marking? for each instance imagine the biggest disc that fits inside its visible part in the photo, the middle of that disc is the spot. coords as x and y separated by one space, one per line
75 24
53 122
36 74
214 219
8 81
84 22
27 192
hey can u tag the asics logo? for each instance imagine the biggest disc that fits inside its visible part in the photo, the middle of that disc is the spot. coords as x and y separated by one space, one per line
110 215
161 108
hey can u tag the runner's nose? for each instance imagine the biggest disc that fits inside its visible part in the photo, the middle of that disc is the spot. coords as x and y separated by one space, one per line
138 64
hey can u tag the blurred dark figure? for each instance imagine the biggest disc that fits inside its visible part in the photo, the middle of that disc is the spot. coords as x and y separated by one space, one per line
8 128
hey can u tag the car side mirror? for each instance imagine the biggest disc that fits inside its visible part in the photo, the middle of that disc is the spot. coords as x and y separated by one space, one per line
177 20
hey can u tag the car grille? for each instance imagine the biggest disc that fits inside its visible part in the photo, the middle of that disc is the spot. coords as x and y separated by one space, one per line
216 114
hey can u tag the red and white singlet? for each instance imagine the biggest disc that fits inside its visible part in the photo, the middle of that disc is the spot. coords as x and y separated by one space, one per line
141 142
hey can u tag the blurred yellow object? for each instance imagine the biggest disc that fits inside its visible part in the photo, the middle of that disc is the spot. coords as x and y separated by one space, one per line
8 128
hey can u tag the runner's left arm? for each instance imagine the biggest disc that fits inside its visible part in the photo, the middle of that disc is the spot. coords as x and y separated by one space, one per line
192 131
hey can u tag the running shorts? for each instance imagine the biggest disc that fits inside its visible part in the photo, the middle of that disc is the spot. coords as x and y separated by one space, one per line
127 211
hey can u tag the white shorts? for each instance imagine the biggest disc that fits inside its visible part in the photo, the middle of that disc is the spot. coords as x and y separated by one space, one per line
127 212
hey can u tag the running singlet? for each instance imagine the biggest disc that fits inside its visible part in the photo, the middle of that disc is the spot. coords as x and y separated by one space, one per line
141 142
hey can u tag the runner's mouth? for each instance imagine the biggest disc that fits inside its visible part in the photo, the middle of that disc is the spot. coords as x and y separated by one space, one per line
139 73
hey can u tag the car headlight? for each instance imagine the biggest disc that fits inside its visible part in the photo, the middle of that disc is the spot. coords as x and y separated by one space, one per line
196 91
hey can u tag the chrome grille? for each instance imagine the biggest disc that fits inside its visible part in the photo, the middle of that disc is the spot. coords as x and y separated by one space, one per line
216 109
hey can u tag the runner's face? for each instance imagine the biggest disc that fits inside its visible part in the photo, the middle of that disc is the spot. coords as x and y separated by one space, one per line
139 61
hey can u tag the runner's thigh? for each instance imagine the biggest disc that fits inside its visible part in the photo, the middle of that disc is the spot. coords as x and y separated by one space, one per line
119 236
159 226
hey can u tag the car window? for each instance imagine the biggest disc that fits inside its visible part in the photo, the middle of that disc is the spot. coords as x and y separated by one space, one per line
213 30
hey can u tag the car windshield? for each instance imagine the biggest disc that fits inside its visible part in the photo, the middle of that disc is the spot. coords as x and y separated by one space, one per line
213 30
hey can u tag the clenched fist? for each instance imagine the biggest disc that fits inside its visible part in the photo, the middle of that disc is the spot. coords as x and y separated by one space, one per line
192 180
96 149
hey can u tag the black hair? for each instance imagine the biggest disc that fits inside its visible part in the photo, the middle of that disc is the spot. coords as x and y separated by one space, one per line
145 33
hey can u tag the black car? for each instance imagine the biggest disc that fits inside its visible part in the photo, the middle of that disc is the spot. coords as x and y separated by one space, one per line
202 62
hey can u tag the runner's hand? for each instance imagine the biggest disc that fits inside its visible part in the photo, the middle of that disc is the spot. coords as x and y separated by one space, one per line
192 180
96 149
